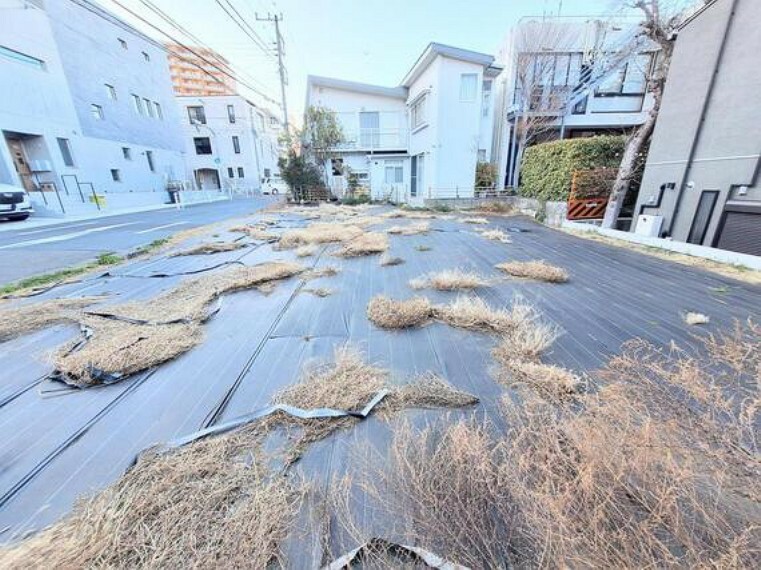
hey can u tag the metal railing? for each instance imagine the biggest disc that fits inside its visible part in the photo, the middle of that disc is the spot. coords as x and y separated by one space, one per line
375 139
466 192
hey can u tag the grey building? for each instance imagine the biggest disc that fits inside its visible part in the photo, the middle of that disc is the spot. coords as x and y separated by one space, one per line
702 169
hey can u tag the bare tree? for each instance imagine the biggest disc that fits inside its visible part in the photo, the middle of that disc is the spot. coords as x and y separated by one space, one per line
661 18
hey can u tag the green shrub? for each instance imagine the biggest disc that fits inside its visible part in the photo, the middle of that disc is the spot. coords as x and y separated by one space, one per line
547 168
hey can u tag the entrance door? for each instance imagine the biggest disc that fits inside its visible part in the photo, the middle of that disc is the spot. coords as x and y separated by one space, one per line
703 216
16 148
207 179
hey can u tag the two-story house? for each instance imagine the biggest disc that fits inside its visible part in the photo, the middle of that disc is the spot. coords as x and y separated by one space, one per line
419 140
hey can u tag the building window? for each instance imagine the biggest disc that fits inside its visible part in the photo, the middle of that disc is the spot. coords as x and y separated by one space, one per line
468 87
65 147
197 115
137 104
417 112
149 157
127 153
240 172
203 145
236 145
146 57
231 113
273 121
394 174
111 92
267 173
369 129
149 107
481 155
614 83
486 99
159 112
230 172
19 57
116 176
122 43
97 112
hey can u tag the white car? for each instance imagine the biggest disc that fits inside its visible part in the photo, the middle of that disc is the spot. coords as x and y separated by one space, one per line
274 185
14 203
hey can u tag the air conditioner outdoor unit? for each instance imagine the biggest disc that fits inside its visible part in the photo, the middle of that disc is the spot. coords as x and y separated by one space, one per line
649 226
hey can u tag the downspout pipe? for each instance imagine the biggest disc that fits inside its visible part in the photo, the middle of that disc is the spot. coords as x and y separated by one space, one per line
701 121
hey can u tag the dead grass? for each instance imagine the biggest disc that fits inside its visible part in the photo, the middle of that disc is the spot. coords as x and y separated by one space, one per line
496 235
473 313
409 214
450 280
497 207
694 318
318 291
318 272
474 220
536 270
526 342
387 260
366 244
554 382
210 248
410 229
319 233
23 319
306 250
656 468
259 233
390 314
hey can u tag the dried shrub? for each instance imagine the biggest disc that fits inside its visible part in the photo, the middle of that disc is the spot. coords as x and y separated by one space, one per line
537 270
318 291
23 319
390 314
496 235
526 342
551 381
210 248
387 260
694 318
316 273
449 280
410 229
259 233
306 250
657 468
409 214
319 233
473 313
497 207
365 244
474 220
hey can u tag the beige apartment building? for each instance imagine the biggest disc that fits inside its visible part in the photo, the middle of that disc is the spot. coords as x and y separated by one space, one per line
199 71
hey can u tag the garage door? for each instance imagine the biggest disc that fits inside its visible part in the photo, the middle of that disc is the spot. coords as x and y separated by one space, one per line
741 232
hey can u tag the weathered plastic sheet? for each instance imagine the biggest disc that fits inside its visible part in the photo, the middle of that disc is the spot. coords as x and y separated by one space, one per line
417 554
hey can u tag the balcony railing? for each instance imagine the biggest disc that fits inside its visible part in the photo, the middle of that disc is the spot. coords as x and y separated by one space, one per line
375 139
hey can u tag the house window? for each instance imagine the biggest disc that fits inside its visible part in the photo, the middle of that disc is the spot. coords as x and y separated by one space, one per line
97 112
197 115
236 145
240 172
417 112
394 174
267 173
137 104
231 113
468 87
159 112
273 121
17 56
369 129
122 43
481 155
116 176
149 157
149 107
127 153
202 144
230 172
486 99
111 92
65 147
614 83
146 57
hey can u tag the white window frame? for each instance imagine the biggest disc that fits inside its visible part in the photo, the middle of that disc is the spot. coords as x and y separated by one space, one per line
97 112
148 107
64 146
137 104
111 91
418 111
19 57
159 112
468 92
127 153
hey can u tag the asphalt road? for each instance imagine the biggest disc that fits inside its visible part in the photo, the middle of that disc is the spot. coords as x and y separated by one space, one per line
29 251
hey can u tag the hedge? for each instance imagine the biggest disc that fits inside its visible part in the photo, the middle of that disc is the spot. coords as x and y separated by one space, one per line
547 168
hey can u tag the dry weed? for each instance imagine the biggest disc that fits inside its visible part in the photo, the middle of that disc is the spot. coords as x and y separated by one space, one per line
496 235
316 273
409 214
553 381
390 314
470 312
693 318
410 229
474 220
306 250
365 244
255 232
387 260
537 270
449 280
319 233
496 207
210 248
526 342
318 291
23 319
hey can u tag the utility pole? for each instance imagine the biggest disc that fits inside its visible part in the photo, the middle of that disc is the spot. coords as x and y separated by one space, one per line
281 67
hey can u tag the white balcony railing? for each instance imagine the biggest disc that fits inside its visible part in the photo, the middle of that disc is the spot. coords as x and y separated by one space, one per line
375 139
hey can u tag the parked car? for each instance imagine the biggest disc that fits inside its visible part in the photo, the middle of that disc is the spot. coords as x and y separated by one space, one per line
14 203
274 185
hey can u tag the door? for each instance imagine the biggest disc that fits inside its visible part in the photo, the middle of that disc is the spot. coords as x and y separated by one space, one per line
703 215
740 229
16 148
207 179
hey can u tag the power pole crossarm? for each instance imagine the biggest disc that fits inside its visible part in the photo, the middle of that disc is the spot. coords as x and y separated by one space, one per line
281 66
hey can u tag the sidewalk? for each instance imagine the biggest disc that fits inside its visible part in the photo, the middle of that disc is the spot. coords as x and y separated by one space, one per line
34 222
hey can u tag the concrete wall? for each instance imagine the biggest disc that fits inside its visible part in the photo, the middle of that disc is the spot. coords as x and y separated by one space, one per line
727 141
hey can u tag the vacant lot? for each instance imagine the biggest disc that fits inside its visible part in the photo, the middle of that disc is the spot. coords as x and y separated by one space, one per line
63 442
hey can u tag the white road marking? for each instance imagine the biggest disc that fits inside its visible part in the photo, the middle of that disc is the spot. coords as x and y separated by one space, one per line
64 237
161 227
53 228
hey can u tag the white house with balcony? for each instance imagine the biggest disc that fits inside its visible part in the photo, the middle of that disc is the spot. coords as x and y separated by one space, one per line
417 141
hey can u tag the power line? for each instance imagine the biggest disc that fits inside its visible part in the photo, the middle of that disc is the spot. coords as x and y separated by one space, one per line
280 64
244 25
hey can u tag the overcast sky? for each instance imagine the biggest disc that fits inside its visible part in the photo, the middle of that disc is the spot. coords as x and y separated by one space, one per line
373 41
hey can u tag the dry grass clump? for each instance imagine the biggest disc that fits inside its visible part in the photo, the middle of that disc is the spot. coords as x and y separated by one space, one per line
449 280
319 233
497 207
428 391
211 503
387 260
20 320
473 313
391 314
255 232
694 318
306 250
366 244
474 220
317 272
496 235
537 270
658 468
410 229
210 248
554 381
526 342
318 291
409 214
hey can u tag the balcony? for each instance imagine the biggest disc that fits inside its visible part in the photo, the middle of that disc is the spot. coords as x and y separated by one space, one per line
375 139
